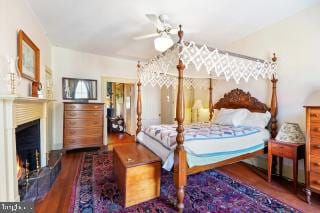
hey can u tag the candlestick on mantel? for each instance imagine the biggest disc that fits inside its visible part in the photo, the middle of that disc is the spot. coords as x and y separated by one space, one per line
13 74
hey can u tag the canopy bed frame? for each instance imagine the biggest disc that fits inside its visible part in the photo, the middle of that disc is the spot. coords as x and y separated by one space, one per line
234 99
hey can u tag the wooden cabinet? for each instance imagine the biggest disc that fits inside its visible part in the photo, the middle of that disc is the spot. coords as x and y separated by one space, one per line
83 125
312 150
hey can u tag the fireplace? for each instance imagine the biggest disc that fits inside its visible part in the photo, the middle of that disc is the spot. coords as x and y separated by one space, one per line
28 144
20 113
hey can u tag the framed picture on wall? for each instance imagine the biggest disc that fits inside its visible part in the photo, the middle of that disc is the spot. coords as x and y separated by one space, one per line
28 57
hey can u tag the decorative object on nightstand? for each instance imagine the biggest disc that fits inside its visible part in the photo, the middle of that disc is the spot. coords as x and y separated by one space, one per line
197 106
312 162
289 143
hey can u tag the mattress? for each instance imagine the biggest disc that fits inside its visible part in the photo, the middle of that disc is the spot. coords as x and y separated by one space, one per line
207 150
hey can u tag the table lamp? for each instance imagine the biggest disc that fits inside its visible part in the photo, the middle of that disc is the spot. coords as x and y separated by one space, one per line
290 133
197 105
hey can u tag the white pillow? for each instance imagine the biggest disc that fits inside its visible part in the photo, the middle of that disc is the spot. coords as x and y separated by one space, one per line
256 119
231 116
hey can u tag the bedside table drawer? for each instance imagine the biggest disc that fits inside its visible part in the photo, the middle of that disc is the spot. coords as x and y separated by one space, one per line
282 150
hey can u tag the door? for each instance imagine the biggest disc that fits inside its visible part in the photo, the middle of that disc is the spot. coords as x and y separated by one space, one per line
151 107
128 108
167 105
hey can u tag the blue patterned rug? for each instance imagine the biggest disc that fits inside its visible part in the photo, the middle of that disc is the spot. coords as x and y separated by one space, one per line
96 191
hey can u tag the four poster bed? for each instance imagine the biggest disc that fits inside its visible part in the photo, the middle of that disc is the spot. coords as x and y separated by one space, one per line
186 157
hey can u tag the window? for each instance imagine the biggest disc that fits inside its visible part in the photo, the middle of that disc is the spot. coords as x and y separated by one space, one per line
81 90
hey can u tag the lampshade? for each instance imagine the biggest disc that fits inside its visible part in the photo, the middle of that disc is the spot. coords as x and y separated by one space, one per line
197 104
290 133
163 42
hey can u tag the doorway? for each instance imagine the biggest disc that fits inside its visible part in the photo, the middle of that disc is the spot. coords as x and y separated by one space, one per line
118 102
119 98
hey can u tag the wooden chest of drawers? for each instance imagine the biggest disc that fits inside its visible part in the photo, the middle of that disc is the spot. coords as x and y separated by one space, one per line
313 149
83 125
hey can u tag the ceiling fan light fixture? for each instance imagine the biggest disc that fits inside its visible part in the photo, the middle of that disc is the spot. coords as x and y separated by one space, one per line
163 42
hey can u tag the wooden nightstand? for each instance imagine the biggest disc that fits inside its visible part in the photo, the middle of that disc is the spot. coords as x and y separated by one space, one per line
292 151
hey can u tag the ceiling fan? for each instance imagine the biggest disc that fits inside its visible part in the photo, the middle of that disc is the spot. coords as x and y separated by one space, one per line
163 39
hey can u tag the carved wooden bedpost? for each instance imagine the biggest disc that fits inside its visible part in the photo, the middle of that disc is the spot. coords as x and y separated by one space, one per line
210 101
139 104
274 103
180 164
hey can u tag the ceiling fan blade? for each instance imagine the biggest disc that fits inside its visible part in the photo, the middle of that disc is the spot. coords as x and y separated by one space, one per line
146 36
154 19
174 31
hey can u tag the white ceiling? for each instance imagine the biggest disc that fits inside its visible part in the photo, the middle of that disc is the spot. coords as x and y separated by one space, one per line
106 27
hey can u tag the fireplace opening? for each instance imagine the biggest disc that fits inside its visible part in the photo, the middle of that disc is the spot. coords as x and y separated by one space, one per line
34 181
27 144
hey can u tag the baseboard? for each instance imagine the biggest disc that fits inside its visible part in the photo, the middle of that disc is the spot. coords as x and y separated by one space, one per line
57 146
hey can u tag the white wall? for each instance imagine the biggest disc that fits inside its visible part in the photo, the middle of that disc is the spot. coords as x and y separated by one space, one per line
296 40
16 15
70 63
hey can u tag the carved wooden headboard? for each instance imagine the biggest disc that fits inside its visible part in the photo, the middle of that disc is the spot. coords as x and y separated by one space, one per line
237 98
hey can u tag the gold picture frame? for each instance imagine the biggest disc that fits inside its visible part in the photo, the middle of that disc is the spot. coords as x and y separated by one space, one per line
28 58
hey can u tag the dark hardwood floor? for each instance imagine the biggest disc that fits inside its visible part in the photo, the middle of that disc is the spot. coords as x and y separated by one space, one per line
58 199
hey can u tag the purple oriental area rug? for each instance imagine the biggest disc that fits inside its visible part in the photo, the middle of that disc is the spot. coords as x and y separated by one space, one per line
211 191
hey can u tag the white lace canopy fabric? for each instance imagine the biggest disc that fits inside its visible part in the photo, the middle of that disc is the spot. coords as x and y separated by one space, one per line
201 64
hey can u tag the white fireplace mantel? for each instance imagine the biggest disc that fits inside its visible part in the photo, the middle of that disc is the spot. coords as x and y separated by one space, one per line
14 111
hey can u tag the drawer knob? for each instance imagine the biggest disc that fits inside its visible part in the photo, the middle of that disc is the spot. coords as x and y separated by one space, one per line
95 107
316 129
72 132
317 164
317 146
314 115
72 114
129 159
